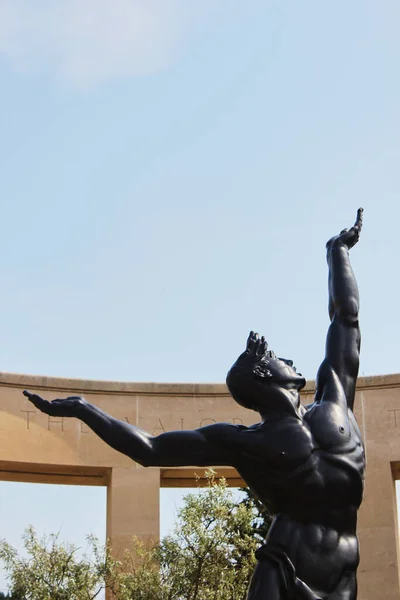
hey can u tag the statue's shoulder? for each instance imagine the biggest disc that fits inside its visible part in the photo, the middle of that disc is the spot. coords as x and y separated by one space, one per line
223 431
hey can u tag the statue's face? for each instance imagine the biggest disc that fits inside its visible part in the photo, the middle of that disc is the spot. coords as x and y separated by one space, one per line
278 370
254 380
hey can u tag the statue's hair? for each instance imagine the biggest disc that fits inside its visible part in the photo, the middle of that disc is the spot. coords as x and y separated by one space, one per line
240 381
252 365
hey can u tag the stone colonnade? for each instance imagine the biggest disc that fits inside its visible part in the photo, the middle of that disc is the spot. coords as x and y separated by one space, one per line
38 448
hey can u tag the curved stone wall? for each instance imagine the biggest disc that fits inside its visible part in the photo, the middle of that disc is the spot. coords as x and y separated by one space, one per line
34 447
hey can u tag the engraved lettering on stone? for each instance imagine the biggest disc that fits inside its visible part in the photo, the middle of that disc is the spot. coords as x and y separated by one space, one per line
207 421
395 415
159 428
53 421
84 427
28 413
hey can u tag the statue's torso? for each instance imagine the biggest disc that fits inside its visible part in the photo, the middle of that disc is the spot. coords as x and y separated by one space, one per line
313 488
291 468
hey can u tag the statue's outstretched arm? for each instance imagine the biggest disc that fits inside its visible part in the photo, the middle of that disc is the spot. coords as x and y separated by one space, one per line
200 447
343 339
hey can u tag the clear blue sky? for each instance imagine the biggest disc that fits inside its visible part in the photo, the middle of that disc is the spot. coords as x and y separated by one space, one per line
170 173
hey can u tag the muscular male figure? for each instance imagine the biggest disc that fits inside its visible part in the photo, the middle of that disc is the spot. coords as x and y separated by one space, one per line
305 463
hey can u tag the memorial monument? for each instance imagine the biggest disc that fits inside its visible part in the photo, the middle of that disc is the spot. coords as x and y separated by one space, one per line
305 463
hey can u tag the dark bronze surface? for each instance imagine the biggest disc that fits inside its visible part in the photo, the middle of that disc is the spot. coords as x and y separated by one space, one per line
305 463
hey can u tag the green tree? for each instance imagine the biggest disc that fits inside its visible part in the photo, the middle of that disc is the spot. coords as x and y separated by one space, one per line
263 518
51 570
208 556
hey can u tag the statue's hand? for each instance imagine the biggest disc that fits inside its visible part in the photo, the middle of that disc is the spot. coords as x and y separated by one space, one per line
67 407
256 346
348 237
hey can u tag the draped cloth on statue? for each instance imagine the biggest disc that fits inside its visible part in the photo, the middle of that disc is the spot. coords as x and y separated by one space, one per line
293 588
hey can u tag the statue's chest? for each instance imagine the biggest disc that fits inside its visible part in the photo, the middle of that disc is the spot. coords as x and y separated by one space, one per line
281 445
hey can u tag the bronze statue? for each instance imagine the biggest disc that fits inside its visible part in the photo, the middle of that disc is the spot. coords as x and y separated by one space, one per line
306 463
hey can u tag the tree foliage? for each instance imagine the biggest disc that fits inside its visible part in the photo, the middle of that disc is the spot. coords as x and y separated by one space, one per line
263 519
50 571
208 556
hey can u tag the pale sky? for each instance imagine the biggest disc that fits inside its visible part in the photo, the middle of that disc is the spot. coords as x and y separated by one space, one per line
170 172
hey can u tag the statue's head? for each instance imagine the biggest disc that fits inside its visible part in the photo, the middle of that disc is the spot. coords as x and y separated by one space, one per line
258 375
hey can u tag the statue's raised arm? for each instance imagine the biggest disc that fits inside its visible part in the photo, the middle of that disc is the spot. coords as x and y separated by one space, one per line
305 463
343 340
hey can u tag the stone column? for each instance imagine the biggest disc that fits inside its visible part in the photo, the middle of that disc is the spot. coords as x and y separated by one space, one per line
378 570
133 505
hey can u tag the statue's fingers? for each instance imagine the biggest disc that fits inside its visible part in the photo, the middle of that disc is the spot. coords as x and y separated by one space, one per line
260 346
34 398
249 343
355 230
40 403
359 219
256 343
264 344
